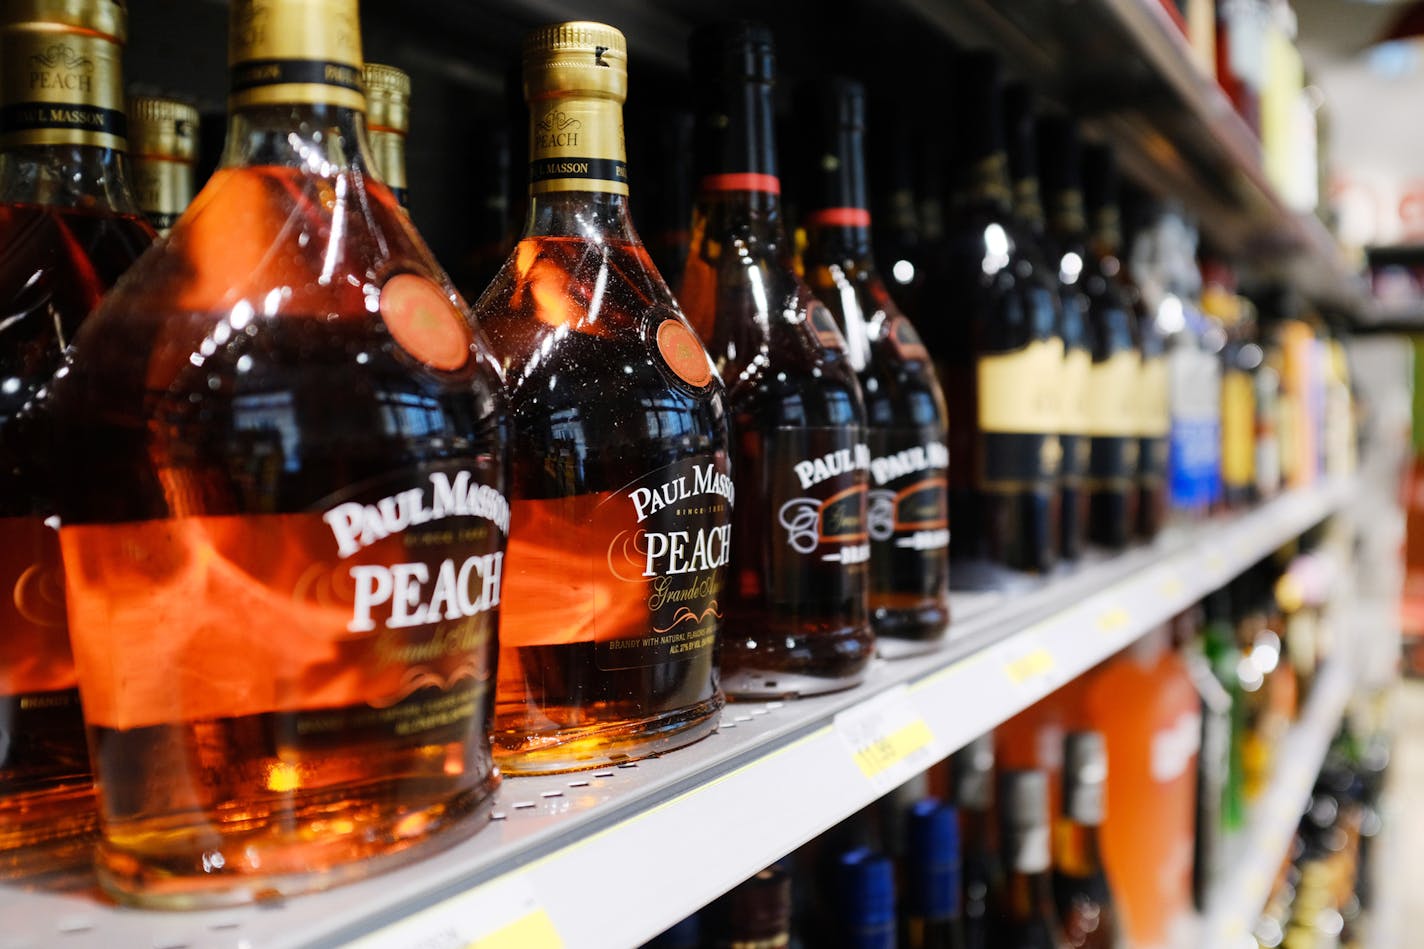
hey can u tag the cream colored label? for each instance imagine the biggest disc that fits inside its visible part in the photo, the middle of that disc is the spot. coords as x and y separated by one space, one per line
1112 395
1154 413
1022 391
163 188
1238 429
576 144
295 51
1077 369
60 89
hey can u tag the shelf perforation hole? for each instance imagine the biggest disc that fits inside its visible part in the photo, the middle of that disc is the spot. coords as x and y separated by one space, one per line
578 784
523 805
548 794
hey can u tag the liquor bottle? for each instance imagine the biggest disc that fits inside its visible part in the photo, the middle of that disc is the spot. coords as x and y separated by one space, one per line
388 123
1065 240
1115 376
973 768
1152 401
755 914
163 149
614 597
69 228
931 914
1240 358
908 510
1148 841
797 622
895 224
1038 170
1214 761
865 901
1080 885
1030 921
283 603
1000 353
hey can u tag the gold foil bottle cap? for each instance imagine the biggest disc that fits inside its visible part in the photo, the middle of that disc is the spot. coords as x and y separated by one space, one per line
295 51
578 58
162 128
387 98
105 18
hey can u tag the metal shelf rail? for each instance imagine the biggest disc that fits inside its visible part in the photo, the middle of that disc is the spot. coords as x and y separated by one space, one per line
609 858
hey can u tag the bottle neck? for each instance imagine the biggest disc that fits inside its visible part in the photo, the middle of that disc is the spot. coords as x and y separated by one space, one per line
62 124
1077 853
578 174
1030 895
837 215
1028 205
323 139
67 176
388 149
1027 849
1105 232
1066 217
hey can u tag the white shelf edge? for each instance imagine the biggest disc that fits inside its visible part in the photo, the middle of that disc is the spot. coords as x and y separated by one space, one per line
1239 896
675 833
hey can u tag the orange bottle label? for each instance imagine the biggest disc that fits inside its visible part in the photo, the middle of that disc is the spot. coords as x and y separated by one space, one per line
365 601
638 571
34 645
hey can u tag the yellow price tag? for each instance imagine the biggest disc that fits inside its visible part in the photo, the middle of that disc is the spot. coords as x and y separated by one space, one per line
1172 586
1114 620
532 931
1040 662
886 752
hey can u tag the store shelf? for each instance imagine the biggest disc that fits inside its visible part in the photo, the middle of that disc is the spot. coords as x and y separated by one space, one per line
1240 895
1127 68
609 858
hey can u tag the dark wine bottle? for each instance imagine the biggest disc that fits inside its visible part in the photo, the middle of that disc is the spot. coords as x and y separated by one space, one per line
931 916
1080 884
1030 921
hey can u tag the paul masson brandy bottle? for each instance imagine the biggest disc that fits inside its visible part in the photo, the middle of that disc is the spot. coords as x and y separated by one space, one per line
163 146
1114 379
622 490
280 458
908 505
388 123
796 611
68 229
1000 352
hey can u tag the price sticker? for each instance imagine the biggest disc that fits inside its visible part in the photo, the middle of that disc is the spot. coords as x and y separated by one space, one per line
889 741
1030 666
1114 620
501 914
1171 587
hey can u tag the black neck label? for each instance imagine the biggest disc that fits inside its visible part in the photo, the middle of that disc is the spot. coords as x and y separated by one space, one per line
254 74
30 116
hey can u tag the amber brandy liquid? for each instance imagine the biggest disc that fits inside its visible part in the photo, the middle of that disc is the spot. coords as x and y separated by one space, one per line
250 388
595 411
56 263
906 417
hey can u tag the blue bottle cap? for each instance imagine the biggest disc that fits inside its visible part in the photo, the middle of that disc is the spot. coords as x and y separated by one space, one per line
932 860
867 890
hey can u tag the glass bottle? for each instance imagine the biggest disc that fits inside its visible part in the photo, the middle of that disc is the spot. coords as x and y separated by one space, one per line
908 508
1046 168
973 768
622 491
931 916
163 149
1030 921
283 603
1144 288
1080 885
866 901
796 612
1000 354
895 228
1115 376
387 124
756 914
69 228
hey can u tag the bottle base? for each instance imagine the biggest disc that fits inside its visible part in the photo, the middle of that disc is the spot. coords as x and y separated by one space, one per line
48 834
901 633
319 848
794 664
608 743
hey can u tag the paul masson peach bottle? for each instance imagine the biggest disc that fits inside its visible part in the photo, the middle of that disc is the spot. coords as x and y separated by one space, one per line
622 496
282 476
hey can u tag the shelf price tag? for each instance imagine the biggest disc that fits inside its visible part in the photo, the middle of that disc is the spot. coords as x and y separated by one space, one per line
1030 666
501 914
889 741
1110 621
